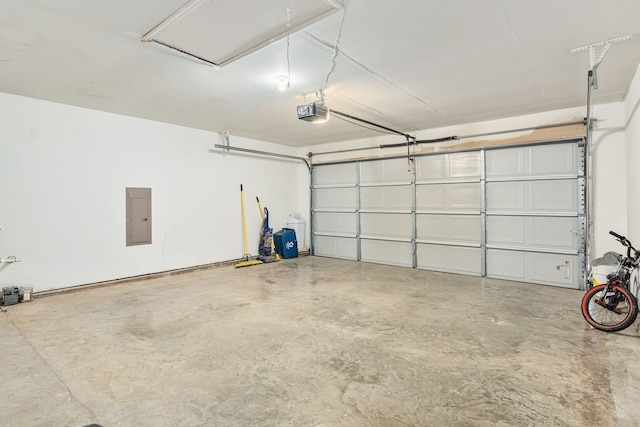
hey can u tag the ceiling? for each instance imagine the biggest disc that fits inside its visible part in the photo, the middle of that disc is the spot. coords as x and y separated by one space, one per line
406 64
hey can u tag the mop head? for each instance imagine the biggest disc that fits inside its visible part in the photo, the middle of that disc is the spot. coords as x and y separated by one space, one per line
247 261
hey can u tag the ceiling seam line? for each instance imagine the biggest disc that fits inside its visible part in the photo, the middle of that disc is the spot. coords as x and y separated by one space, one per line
376 74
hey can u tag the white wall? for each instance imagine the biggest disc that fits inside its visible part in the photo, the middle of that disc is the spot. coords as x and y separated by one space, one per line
632 124
616 160
608 178
63 174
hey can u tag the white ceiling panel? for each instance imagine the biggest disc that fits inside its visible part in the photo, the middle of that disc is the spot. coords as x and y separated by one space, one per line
222 31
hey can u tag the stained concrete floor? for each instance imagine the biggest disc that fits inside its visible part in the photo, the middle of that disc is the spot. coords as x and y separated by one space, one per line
315 342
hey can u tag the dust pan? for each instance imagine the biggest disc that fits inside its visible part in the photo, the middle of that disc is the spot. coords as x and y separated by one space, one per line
247 259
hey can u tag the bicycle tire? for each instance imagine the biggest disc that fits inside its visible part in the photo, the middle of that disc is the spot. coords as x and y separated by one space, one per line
617 311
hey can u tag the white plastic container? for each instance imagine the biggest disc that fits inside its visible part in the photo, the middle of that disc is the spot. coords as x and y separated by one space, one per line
599 273
25 293
298 224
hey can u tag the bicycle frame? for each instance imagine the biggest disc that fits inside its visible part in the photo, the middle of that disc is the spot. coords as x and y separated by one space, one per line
618 306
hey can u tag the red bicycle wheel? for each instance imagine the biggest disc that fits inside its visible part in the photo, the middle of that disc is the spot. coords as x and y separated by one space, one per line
610 311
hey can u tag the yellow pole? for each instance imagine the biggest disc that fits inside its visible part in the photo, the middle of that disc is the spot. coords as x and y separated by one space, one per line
262 214
247 258
244 223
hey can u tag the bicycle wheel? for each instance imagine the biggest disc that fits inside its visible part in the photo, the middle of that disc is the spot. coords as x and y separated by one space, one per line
610 312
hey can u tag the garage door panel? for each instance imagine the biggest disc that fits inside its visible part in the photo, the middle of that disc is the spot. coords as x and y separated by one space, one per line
339 174
537 267
336 247
558 233
386 252
386 225
507 230
431 168
558 196
448 166
551 160
464 196
397 197
431 197
506 196
385 171
533 161
554 269
431 257
335 198
454 259
505 162
454 228
554 195
336 222
448 197
551 233
506 264
465 165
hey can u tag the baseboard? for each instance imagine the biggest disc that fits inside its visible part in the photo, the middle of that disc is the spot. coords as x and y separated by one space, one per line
145 277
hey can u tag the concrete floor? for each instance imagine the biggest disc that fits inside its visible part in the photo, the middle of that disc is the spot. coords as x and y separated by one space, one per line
315 342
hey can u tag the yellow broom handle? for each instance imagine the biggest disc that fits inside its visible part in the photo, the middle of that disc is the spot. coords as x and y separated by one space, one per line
244 222
262 214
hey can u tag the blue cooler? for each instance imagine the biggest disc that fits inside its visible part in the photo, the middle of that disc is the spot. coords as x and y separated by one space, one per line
286 243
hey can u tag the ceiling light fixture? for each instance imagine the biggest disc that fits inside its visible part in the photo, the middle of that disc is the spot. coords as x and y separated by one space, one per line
283 83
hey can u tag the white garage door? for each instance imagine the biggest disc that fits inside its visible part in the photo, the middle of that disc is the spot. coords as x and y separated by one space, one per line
335 211
386 212
535 214
515 213
448 212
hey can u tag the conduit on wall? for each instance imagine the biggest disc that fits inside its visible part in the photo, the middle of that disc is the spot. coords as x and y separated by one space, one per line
264 153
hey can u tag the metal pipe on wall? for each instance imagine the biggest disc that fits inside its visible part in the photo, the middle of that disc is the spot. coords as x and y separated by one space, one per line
264 153
588 172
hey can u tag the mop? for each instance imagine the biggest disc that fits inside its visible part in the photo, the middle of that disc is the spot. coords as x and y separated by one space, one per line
247 260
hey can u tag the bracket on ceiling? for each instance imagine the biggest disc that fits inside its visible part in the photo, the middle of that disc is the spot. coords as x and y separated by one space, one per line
596 61
316 96
224 137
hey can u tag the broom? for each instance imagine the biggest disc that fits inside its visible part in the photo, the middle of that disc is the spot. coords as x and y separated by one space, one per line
246 258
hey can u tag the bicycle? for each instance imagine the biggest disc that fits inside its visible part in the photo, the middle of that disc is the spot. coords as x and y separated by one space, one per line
612 307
